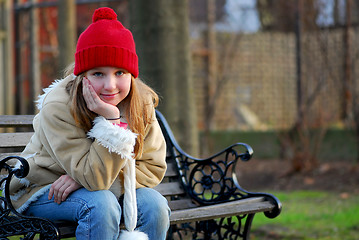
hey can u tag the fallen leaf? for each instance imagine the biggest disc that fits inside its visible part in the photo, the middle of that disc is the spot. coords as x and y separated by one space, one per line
344 195
309 181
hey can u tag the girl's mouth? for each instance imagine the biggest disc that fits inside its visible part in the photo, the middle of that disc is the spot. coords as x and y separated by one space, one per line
108 96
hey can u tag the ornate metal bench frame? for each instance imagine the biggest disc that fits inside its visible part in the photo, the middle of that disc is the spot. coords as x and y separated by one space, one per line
207 182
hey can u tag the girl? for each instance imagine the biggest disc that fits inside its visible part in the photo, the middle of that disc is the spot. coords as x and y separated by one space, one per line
98 150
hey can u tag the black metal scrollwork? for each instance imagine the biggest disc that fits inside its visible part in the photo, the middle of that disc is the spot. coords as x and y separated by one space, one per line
14 223
211 180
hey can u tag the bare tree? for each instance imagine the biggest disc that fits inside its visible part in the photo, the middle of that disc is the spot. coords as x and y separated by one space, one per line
301 143
217 72
280 15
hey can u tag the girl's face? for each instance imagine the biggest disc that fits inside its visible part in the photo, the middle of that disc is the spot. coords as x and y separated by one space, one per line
111 84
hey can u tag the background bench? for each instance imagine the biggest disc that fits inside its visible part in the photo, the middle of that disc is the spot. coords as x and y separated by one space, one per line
204 195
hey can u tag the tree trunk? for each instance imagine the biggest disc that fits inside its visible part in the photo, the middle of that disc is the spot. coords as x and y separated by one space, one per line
347 94
160 29
66 32
211 77
35 79
6 60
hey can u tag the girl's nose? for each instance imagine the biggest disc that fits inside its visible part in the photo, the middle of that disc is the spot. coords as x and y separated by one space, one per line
110 83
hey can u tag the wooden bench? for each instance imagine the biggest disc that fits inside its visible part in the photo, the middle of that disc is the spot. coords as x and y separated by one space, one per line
204 195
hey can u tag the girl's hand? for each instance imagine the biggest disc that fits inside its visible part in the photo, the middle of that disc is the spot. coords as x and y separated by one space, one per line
96 104
62 188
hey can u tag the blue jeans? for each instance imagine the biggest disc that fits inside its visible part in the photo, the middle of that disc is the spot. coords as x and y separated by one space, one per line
98 213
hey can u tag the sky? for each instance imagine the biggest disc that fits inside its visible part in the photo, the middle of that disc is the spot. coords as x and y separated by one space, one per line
326 8
242 15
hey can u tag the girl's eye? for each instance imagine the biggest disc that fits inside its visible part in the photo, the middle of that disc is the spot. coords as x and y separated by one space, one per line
98 74
119 73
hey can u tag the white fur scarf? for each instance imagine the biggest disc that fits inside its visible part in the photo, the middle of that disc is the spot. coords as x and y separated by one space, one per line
122 141
130 205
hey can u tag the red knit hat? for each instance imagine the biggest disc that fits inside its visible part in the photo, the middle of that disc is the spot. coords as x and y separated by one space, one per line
106 42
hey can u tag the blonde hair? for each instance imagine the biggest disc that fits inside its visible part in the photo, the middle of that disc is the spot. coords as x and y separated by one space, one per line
137 107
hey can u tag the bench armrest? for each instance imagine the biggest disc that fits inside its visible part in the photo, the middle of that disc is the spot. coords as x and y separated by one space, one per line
13 222
214 180
18 170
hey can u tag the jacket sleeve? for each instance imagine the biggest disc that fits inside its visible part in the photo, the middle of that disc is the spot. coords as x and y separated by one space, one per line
94 163
151 166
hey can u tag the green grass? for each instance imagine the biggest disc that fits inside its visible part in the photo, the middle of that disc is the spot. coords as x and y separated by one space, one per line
311 215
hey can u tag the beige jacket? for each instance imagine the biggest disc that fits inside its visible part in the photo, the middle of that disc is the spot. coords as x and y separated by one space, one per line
94 159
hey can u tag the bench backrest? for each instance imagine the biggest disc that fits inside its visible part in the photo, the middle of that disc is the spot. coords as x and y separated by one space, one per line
15 133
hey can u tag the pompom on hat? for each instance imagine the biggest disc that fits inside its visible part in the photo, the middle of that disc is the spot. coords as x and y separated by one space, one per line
106 42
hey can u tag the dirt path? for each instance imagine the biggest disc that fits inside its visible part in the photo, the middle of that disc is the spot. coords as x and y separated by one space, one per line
342 177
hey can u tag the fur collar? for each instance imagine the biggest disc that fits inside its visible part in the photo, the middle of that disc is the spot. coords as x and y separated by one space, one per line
39 102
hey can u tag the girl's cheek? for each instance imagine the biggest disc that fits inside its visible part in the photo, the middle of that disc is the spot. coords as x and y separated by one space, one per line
95 87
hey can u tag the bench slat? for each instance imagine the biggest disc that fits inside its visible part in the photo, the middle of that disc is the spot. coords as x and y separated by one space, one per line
171 170
16 120
240 207
181 204
19 139
4 155
169 173
170 189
